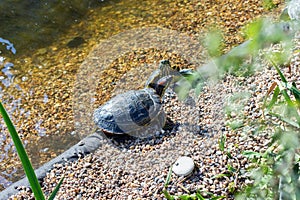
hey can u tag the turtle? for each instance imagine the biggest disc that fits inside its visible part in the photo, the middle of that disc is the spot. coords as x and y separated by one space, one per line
138 113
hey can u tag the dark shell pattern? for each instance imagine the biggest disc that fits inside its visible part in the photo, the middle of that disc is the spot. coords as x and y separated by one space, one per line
131 113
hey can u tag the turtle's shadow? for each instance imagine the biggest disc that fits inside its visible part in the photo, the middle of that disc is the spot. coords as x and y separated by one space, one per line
198 129
125 141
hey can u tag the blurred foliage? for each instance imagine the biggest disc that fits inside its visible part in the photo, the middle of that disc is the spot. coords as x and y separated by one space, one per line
287 107
259 35
268 4
213 43
274 173
234 109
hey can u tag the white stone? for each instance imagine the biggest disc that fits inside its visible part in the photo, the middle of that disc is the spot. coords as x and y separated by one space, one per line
183 166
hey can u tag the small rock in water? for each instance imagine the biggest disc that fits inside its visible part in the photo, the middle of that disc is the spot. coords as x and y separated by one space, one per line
75 42
183 166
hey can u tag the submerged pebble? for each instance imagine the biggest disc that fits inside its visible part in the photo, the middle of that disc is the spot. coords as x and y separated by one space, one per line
75 42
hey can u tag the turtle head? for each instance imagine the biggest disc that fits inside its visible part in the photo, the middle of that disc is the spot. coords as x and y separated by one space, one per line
163 64
161 85
165 69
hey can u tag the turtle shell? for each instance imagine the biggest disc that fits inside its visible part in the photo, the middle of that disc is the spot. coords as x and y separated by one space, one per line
133 113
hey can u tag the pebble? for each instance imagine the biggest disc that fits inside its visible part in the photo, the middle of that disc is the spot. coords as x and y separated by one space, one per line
183 166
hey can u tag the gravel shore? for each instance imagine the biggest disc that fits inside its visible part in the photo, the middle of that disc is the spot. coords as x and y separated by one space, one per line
129 168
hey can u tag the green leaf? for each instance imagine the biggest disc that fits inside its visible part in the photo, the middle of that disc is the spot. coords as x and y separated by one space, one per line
235 124
293 109
231 169
222 142
289 140
296 180
183 92
221 176
295 90
199 88
231 187
228 154
168 179
186 197
53 194
279 57
167 195
274 98
285 119
268 4
287 98
217 197
34 183
278 71
213 43
252 30
199 196
284 16
296 94
251 154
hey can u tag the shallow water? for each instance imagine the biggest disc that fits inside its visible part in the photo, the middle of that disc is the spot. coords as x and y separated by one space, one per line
34 24
27 29
53 39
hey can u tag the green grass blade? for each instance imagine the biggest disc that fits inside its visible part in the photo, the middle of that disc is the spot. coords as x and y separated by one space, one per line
287 98
220 176
35 186
295 90
218 197
274 98
53 194
285 119
185 197
279 72
168 179
292 105
199 196
222 142
296 94
167 195
251 154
